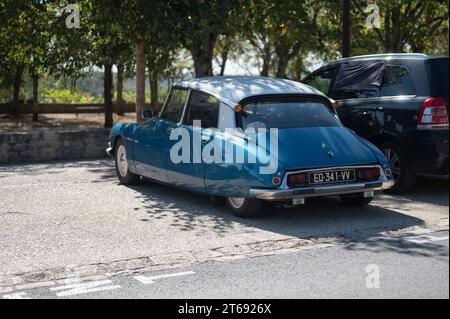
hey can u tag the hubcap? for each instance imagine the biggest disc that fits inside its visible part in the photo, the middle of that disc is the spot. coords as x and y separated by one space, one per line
394 160
122 164
236 202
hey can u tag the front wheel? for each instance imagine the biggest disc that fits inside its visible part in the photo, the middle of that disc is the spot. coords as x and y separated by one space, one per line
123 173
356 200
243 207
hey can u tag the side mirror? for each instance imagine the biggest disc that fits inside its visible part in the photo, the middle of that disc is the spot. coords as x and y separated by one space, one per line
147 114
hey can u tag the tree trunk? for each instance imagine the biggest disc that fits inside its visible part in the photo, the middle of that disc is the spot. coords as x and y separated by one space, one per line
202 54
35 97
140 80
387 31
283 57
16 90
266 60
119 98
153 80
346 29
223 63
107 93
224 58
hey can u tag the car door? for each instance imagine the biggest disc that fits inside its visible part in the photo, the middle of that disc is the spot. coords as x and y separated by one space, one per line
152 138
358 110
199 120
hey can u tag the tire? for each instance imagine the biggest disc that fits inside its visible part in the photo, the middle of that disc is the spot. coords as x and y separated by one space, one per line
404 178
356 200
243 207
123 173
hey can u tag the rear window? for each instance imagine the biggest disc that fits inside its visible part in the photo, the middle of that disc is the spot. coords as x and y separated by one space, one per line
438 74
287 114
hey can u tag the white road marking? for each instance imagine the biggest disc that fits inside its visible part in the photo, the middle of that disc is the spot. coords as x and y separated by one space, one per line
150 280
84 288
425 239
17 295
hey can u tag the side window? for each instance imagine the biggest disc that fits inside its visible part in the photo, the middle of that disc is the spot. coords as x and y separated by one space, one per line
227 117
397 81
322 81
174 108
203 107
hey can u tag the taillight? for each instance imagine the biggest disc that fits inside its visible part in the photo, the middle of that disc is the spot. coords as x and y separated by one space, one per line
433 114
369 173
297 180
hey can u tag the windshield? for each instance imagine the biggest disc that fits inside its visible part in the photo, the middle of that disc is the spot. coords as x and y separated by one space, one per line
270 114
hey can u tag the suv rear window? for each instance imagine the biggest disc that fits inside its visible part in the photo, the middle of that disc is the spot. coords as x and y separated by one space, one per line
438 74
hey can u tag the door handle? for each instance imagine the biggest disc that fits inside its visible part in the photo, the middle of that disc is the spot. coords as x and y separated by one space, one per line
169 130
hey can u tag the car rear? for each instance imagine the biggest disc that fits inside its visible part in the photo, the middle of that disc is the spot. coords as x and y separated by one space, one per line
433 119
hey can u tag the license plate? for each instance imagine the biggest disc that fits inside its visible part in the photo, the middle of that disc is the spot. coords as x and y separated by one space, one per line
334 176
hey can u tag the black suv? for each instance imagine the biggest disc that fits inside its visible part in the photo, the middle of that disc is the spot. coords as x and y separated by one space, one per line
399 102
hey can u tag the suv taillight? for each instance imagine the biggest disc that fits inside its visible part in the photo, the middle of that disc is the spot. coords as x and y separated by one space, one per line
433 114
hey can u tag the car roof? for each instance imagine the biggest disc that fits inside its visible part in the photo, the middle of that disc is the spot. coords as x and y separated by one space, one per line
233 89
386 57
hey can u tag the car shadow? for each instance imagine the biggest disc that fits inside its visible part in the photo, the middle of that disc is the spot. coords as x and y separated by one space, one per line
358 228
429 189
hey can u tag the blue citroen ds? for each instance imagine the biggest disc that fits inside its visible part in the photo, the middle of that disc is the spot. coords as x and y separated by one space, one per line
250 140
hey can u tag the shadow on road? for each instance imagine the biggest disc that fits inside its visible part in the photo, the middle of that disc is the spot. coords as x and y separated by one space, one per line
359 228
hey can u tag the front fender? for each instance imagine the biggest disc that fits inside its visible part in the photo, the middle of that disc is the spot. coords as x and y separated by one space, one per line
126 133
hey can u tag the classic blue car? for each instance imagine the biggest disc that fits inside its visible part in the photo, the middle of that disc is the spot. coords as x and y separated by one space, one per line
250 140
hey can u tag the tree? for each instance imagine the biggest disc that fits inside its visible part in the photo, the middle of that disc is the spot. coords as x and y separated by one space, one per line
110 42
22 32
288 26
197 25
346 28
407 25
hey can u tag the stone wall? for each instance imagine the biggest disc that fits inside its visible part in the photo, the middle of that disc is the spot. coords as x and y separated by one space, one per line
52 144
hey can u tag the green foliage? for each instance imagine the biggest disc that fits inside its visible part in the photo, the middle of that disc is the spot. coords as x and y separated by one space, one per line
286 37
66 96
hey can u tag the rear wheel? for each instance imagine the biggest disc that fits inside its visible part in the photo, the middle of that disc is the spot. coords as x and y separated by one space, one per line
356 200
123 173
403 176
243 207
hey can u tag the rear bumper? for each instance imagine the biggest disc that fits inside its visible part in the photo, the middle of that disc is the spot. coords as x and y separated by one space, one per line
317 191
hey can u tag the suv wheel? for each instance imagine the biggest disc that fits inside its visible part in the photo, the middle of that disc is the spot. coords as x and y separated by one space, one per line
403 176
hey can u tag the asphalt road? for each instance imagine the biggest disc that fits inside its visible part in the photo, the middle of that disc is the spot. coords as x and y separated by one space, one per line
65 223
